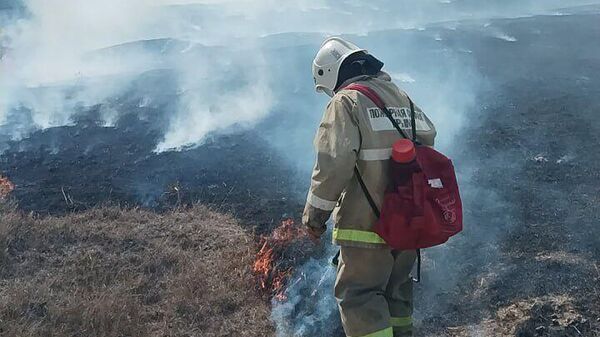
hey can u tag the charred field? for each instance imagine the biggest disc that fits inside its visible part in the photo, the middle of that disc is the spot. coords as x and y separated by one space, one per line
93 196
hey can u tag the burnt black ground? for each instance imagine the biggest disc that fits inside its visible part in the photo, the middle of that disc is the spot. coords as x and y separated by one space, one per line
548 209
94 164
528 158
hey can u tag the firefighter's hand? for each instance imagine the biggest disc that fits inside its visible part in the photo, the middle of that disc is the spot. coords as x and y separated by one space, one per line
315 221
315 233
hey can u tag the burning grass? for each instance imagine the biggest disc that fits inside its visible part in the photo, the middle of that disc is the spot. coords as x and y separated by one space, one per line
271 266
114 272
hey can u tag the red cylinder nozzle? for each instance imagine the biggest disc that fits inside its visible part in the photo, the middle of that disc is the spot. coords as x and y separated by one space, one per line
403 151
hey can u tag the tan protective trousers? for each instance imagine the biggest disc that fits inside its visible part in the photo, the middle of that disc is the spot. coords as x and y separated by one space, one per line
373 289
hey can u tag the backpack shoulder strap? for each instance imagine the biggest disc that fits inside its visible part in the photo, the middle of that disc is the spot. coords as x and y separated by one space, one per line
363 186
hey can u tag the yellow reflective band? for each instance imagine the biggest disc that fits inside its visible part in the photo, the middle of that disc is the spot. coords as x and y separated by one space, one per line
389 332
356 235
401 321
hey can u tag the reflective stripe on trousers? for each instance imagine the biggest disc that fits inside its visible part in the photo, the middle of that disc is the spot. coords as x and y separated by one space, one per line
402 326
356 235
400 322
403 323
387 332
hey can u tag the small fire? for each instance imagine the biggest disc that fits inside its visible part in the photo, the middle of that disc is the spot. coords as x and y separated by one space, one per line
272 277
5 187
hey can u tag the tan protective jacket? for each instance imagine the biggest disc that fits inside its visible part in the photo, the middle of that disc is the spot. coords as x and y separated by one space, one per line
354 131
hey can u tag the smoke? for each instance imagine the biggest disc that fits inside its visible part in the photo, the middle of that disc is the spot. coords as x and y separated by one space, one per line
59 57
63 56
54 60
209 101
310 309
46 66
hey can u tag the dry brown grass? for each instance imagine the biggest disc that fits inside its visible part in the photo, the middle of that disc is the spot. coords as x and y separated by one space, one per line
114 272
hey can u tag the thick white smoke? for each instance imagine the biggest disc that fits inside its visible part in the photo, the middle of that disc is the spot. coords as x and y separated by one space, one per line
49 69
46 67
205 107
64 55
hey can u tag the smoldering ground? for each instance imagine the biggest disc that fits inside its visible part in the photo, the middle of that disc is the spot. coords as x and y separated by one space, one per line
192 77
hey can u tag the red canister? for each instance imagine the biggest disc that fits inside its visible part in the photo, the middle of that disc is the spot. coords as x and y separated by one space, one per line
403 151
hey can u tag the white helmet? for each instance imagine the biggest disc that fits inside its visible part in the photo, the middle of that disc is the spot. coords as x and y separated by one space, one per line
326 66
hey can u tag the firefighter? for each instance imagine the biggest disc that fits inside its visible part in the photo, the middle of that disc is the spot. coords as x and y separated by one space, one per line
373 287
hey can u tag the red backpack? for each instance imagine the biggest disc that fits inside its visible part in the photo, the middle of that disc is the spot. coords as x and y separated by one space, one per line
426 211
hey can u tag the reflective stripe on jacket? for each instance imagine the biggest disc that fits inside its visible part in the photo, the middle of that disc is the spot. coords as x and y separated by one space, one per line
353 131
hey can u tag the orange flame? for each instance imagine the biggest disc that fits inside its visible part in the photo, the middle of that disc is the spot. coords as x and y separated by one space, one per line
264 264
271 279
5 187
